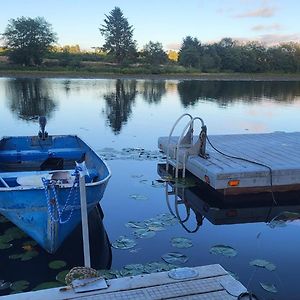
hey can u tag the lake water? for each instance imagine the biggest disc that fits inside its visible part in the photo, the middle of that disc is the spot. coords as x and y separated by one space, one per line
122 120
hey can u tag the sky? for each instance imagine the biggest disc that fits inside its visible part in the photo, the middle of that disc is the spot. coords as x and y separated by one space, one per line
164 21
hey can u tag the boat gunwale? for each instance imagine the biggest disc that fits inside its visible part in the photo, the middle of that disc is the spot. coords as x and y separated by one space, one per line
102 181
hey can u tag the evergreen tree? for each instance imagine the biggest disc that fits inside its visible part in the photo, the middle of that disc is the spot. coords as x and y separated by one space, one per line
118 36
190 52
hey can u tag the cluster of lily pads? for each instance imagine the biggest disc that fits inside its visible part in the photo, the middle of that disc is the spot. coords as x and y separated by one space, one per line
147 229
130 153
260 263
9 235
171 260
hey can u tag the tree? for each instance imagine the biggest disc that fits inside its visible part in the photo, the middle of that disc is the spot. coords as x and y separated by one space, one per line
230 53
154 53
28 40
190 52
118 36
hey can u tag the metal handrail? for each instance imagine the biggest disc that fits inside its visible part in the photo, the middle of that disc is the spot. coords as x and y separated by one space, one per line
190 124
170 135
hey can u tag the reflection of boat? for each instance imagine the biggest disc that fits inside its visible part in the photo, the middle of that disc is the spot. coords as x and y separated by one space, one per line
236 163
39 190
235 210
70 252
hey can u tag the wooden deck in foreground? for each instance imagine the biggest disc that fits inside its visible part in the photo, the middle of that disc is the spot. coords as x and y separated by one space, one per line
211 283
279 151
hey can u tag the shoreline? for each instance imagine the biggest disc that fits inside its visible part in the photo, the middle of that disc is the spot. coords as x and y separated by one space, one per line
200 76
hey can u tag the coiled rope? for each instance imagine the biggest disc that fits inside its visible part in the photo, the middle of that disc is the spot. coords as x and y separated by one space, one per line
54 209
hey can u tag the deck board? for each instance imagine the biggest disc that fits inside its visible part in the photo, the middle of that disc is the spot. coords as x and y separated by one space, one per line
279 150
209 285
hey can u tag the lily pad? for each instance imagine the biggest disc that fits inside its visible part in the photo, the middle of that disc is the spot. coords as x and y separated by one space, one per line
144 233
19 286
123 243
138 197
132 270
57 264
5 239
4 285
109 274
181 242
155 267
269 287
133 224
129 153
223 250
28 255
15 233
155 225
47 285
4 246
175 258
61 276
263 264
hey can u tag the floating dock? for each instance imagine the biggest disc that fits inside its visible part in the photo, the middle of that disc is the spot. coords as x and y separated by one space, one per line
210 283
240 163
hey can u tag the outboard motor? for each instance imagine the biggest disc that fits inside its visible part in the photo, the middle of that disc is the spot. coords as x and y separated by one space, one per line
42 133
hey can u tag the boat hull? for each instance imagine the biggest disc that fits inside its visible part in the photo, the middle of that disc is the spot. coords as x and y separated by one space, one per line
34 209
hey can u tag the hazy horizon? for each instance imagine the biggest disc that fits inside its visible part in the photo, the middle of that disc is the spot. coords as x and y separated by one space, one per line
77 22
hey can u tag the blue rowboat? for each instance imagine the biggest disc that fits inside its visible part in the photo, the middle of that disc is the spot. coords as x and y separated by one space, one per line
39 184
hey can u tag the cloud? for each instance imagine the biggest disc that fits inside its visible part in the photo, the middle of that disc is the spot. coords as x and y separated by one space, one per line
274 26
275 39
173 46
271 39
263 12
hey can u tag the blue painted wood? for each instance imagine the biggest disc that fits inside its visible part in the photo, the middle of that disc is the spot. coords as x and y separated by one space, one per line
26 205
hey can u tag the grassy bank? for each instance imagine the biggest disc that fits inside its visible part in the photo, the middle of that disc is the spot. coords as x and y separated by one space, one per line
137 72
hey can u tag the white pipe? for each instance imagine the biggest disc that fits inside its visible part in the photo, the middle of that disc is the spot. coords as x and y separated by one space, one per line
3 181
84 222
170 135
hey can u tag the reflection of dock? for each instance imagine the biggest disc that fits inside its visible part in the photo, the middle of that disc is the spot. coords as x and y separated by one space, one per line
235 209
208 282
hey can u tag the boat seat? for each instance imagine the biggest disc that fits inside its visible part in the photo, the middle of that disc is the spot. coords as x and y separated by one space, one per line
66 176
32 155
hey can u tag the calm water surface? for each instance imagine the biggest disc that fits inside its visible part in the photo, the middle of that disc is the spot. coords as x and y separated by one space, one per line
120 118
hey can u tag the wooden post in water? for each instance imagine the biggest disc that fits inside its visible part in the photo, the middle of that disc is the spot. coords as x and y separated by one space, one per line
84 222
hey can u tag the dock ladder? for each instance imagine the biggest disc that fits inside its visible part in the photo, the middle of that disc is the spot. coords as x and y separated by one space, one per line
186 143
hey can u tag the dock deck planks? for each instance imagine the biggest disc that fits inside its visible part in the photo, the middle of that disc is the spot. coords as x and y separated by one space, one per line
279 151
212 283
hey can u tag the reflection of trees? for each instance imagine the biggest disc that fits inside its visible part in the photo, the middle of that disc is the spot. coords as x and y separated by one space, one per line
119 103
226 92
153 90
29 98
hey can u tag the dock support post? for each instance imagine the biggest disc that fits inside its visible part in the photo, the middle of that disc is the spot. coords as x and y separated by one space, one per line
84 222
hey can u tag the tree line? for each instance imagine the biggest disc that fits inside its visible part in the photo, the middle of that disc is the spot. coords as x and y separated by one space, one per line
29 40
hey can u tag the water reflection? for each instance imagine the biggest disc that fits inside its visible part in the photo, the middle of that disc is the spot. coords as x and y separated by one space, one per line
29 98
190 205
227 92
37 270
153 91
119 101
